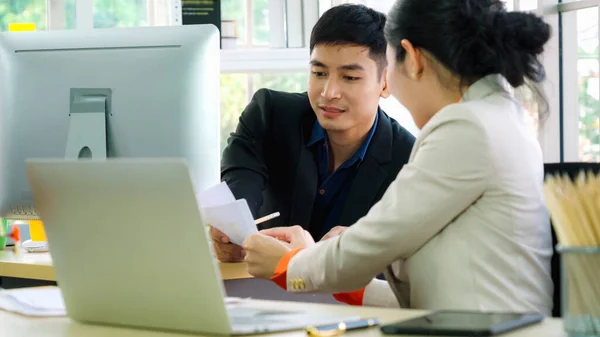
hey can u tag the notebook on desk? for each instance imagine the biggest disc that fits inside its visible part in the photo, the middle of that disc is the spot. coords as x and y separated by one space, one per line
107 223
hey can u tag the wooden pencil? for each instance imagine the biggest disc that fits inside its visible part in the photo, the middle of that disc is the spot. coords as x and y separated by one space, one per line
574 208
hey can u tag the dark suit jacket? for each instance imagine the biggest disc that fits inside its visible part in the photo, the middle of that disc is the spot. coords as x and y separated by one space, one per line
268 163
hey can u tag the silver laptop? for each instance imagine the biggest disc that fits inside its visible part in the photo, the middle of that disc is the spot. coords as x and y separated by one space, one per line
111 228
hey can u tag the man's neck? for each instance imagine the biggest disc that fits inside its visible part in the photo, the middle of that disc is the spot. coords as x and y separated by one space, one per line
343 144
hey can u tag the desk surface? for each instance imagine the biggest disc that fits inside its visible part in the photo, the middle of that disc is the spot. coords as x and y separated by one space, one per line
19 326
38 266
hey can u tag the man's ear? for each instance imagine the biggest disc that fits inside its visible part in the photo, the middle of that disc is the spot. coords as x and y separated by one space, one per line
385 92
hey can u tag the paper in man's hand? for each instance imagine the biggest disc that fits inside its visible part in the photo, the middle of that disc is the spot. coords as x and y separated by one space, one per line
215 196
232 217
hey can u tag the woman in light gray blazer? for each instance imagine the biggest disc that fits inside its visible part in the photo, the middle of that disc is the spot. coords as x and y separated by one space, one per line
464 225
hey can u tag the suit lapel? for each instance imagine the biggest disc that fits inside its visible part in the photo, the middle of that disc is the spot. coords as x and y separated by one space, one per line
306 179
371 173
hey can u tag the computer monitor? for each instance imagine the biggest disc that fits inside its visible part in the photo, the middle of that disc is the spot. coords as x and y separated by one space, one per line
127 92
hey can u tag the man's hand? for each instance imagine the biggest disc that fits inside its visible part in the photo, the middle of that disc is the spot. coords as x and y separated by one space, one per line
335 231
295 236
225 250
263 254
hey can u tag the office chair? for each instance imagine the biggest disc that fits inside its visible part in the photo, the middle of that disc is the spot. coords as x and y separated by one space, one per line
572 170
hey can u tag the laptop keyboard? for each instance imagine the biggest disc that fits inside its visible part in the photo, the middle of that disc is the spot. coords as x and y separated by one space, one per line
251 320
248 316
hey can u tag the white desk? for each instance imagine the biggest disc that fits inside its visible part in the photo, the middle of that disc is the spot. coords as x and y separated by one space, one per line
12 325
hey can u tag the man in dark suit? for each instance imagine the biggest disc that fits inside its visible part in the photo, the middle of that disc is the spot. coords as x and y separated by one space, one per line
324 157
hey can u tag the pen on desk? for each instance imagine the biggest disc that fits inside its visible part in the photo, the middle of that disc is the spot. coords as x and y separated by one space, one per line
266 218
330 330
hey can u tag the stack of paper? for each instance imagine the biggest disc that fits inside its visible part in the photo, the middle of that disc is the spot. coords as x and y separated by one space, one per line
40 301
232 217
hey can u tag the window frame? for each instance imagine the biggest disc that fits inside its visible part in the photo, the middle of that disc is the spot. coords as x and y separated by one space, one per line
549 135
56 14
264 60
567 135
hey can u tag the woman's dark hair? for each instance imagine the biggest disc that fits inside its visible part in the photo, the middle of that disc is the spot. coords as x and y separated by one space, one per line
472 38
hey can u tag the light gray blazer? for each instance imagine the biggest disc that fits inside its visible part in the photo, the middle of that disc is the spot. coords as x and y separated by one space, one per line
463 226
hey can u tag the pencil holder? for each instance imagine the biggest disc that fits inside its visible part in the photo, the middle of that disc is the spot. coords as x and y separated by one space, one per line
580 282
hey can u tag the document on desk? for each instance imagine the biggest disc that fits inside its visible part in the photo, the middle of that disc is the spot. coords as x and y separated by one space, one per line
232 217
38 301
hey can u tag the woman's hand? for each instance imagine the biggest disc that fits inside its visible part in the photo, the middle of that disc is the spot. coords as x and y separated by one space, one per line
265 249
335 231
263 254
295 236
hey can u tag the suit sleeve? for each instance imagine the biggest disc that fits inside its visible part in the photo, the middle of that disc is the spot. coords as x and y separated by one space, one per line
447 174
243 163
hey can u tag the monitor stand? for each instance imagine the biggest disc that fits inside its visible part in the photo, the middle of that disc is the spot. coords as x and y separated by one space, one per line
88 113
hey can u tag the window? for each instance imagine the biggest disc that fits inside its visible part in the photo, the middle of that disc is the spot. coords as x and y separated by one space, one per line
260 22
236 10
385 5
237 90
510 5
115 14
526 5
525 94
121 14
397 111
252 21
281 69
580 82
23 11
106 13
380 5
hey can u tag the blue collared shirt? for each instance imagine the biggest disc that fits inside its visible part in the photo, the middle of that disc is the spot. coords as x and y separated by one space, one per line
332 189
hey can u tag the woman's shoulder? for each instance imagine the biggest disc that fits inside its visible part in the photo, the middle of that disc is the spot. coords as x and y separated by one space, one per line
479 114
455 116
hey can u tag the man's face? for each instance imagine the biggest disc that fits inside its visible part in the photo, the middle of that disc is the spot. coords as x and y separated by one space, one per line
344 86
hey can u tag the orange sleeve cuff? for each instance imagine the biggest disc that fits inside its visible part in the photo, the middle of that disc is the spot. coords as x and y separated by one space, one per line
280 278
280 274
352 298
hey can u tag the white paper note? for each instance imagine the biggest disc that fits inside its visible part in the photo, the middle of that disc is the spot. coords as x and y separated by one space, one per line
232 217
214 196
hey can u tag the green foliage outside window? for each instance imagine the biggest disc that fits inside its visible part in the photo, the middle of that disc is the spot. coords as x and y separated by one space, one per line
23 11
589 112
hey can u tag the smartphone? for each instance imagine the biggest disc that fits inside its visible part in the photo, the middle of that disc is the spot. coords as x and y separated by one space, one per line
463 323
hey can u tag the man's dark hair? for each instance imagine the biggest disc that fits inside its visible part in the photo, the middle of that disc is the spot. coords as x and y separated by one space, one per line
353 25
